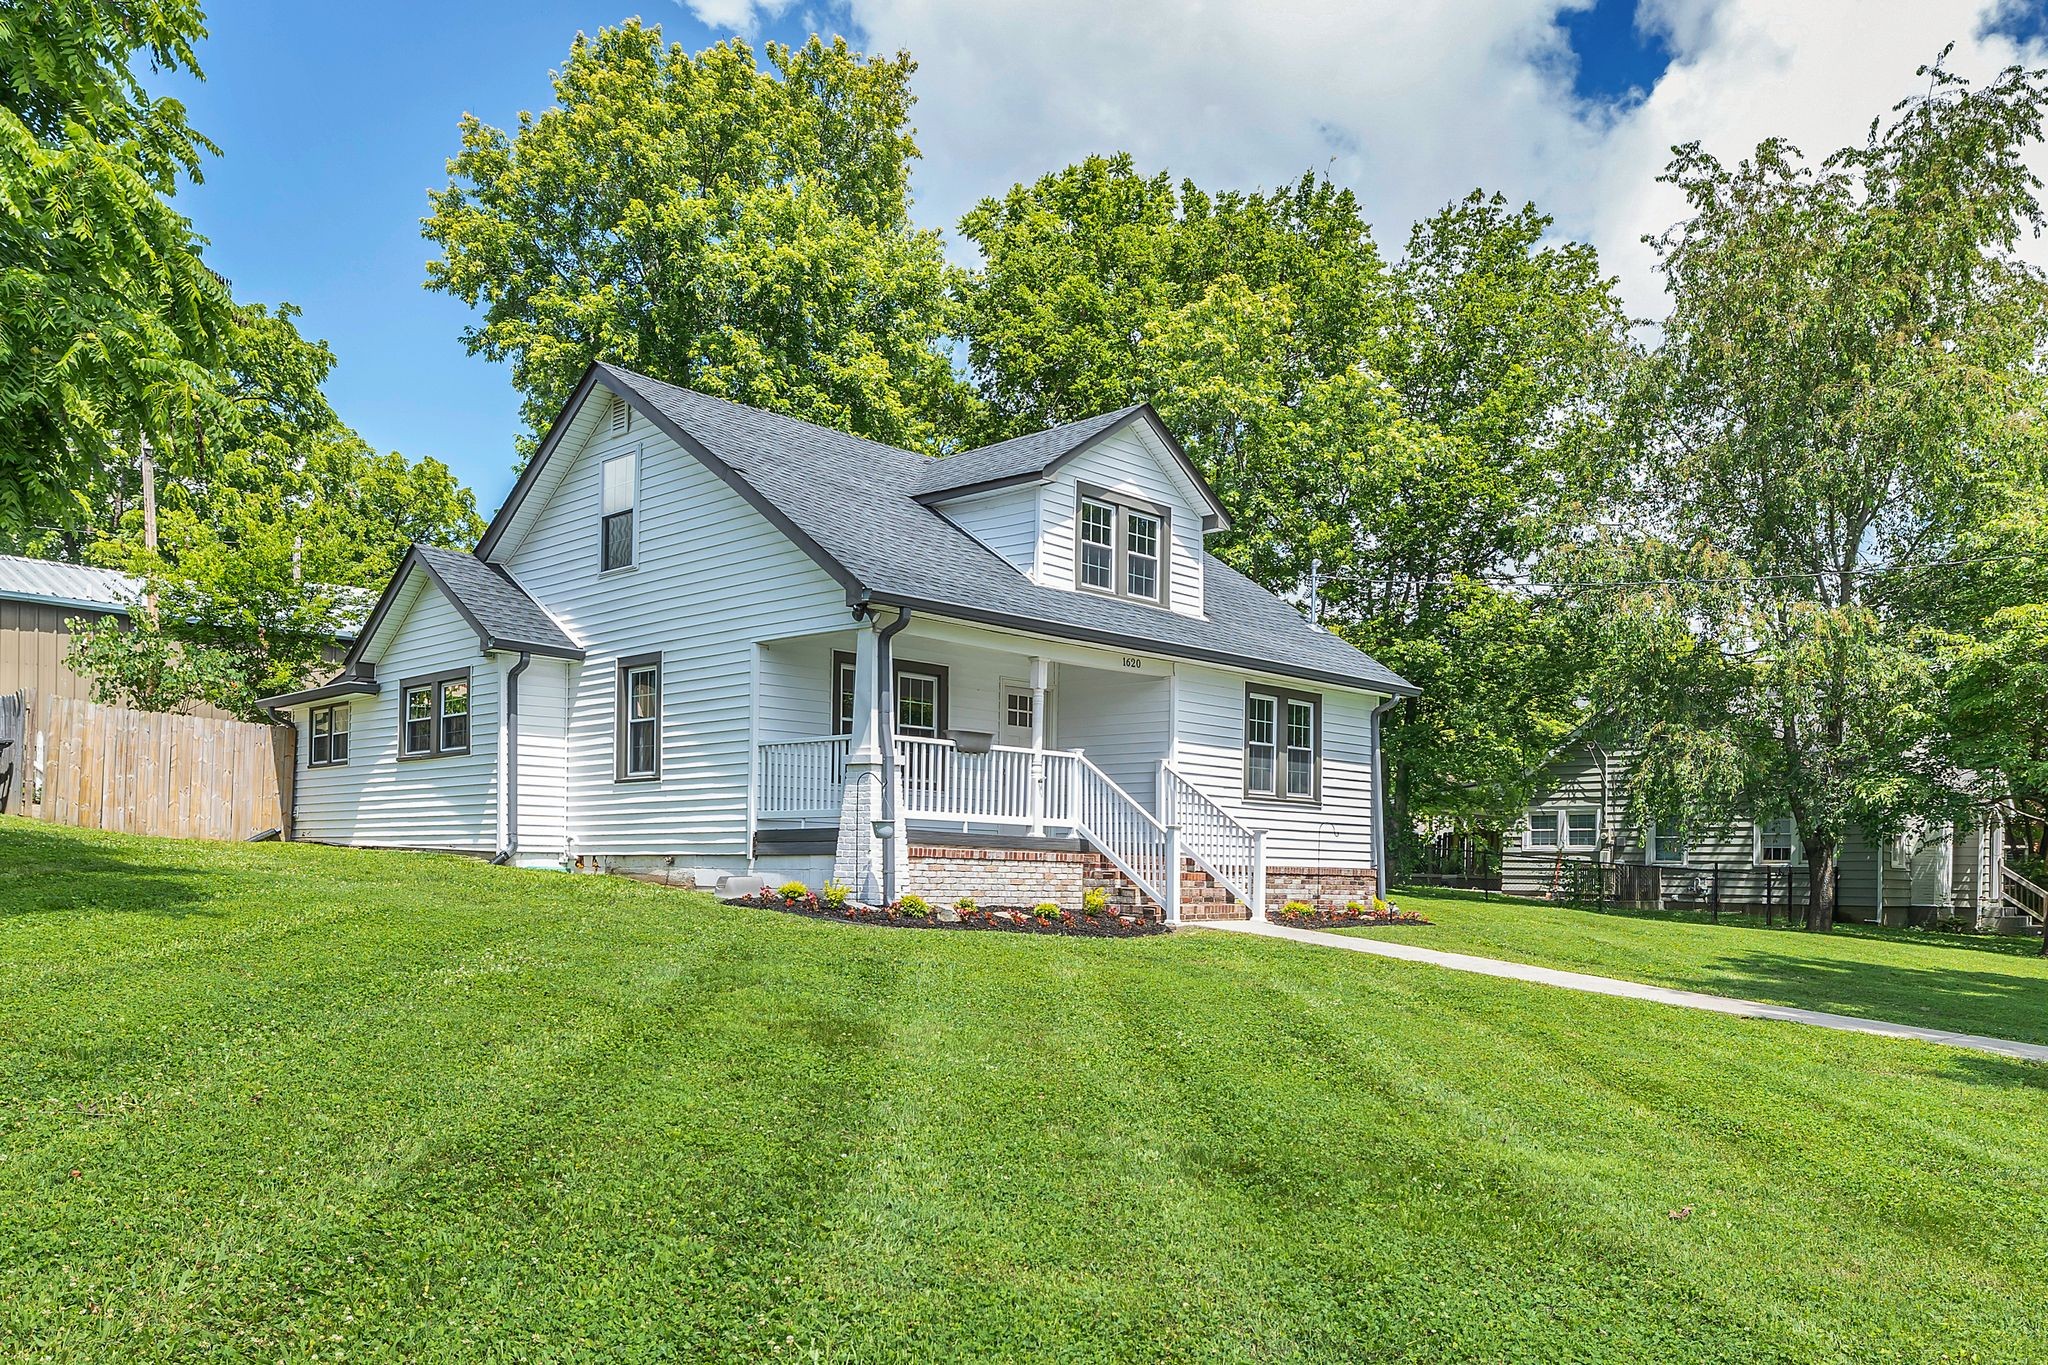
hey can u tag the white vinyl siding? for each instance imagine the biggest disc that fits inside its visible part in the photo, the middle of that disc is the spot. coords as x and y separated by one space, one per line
1129 463
1336 831
449 801
1006 521
712 577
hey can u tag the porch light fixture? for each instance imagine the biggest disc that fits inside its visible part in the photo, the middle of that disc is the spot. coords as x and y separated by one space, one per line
972 741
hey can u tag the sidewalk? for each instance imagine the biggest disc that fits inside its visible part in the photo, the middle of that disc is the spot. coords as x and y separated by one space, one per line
1635 990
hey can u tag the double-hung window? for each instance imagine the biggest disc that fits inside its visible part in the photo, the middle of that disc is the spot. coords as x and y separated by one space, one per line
636 736
1542 829
434 715
615 526
920 697
1121 547
327 736
1777 842
1667 844
1283 738
1576 827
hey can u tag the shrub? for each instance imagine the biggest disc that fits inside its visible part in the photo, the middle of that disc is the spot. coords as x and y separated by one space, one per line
1095 901
1046 910
917 907
792 891
1297 908
965 905
1354 908
1382 906
833 895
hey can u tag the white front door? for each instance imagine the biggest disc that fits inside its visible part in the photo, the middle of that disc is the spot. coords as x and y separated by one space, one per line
1013 714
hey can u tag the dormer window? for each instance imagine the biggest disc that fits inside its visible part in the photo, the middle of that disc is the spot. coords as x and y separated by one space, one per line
1121 547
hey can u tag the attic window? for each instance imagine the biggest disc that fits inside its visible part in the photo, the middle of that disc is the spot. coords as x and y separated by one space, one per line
620 417
1120 546
615 515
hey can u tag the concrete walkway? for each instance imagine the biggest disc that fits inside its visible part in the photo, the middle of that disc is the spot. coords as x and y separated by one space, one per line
1633 990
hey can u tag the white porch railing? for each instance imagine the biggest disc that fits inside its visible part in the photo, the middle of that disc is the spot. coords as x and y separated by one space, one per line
1234 855
2023 895
939 782
1125 833
802 779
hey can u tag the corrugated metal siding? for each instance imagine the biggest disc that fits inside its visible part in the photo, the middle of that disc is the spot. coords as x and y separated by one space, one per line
1006 521
1209 707
711 578
1124 463
33 639
21 576
378 799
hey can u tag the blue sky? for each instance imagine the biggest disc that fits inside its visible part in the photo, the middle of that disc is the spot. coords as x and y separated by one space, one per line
334 124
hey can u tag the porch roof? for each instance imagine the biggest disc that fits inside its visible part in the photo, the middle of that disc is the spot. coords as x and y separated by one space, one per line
853 505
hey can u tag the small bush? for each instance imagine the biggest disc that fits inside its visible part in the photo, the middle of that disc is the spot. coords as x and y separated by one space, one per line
1297 908
1046 910
1095 901
917 907
792 891
833 895
1354 908
1383 907
965 905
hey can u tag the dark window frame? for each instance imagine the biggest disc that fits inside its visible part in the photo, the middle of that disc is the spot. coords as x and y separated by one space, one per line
1123 505
1281 697
629 512
332 710
622 720
843 663
436 686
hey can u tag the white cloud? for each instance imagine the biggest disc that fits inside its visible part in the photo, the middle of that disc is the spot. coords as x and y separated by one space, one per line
736 16
1411 104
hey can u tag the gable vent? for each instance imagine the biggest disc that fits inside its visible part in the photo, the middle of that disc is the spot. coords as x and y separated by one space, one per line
621 417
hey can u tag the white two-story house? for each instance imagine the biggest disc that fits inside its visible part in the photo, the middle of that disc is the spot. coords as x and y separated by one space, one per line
709 641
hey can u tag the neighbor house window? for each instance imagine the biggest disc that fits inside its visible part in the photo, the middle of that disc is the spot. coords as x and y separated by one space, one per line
1542 829
436 714
616 517
1570 828
1121 544
327 736
1283 738
920 697
1777 841
1667 844
1581 828
636 738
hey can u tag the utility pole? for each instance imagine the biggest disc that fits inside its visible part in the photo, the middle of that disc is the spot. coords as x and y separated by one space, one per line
1315 591
148 460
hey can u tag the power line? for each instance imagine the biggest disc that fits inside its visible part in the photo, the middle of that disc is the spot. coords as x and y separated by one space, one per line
1702 580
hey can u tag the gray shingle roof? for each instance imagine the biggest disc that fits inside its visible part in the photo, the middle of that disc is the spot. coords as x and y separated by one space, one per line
1017 457
855 502
503 616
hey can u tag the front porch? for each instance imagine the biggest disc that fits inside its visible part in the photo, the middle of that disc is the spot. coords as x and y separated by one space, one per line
1005 769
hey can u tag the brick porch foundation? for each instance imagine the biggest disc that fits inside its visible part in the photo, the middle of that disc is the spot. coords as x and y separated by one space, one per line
1326 888
1023 877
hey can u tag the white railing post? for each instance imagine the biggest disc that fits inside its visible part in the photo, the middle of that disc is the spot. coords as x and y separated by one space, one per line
1171 879
1074 768
1258 905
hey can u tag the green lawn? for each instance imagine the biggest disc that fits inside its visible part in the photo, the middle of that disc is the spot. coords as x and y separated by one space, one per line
263 1102
1978 984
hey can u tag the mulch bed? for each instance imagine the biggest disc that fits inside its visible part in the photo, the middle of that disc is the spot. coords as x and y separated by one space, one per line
1344 919
1000 919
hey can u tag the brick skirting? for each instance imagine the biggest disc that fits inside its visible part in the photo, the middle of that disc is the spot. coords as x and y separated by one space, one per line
1326 888
1022 877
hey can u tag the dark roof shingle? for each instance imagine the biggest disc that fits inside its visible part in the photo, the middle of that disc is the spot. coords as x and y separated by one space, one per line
502 614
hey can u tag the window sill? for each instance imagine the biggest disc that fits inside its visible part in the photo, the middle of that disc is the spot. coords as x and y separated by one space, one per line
432 753
329 764
637 780
1288 802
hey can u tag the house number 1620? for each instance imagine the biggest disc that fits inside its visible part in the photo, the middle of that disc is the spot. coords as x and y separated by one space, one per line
1133 661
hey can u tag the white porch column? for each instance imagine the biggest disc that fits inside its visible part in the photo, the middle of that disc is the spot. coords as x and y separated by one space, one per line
1037 793
857 855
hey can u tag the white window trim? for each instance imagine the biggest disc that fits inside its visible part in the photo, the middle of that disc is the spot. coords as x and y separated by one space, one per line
1562 825
1650 847
1756 844
633 453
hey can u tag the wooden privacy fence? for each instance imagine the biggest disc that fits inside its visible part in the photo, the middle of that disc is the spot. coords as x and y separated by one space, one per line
144 772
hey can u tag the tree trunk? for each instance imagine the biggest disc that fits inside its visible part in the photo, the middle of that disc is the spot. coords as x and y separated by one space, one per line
1820 885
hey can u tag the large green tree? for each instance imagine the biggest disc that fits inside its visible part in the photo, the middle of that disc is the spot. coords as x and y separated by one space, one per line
1847 380
111 326
1398 434
741 231
271 548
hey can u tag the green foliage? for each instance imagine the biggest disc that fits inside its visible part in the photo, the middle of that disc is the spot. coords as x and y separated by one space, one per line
915 906
1095 901
1846 386
1297 908
110 324
834 895
741 231
1046 910
965 905
147 669
1409 430
1997 690
793 891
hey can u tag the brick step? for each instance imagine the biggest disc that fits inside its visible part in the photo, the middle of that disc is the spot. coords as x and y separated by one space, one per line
1210 913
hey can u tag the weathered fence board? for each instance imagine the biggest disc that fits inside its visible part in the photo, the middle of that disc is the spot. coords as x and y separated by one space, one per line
142 772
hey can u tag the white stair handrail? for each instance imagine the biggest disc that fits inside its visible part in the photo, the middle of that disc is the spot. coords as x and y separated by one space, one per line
1214 839
1124 832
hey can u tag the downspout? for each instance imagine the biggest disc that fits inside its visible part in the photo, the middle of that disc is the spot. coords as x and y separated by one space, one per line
512 758
1379 793
885 685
